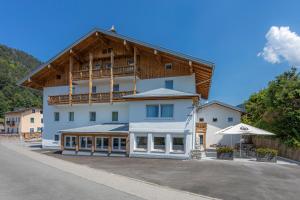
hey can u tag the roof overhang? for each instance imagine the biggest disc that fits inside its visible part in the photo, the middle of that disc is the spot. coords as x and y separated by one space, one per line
202 86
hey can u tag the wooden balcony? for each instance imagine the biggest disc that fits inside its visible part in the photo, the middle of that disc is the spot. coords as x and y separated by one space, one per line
84 98
102 72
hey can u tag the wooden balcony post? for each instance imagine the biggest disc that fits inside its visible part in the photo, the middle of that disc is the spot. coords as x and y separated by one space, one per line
134 70
77 143
70 79
90 76
111 76
93 144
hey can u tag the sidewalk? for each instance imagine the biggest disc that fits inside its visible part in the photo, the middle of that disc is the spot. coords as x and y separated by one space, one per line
131 186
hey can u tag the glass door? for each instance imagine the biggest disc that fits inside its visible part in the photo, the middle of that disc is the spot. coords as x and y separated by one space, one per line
119 144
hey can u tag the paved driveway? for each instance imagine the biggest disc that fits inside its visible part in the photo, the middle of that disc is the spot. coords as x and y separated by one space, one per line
27 179
220 179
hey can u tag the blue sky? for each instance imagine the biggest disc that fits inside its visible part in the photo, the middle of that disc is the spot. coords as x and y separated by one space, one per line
229 33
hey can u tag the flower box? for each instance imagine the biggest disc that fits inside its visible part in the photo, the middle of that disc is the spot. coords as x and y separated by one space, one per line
225 153
266 155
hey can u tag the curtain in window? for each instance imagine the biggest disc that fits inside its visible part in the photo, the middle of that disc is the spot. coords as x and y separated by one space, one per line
167 110
152 110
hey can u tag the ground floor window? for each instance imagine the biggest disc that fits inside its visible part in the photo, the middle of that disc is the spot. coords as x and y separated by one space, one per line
85 142
101 143
70 141
141 142
119 144
159 143
178 144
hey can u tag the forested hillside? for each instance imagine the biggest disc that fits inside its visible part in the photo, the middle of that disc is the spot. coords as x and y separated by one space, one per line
14 65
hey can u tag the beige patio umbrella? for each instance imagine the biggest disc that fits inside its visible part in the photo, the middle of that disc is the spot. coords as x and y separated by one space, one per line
242 129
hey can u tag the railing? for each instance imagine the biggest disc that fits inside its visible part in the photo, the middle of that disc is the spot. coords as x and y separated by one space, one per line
103 72
84 98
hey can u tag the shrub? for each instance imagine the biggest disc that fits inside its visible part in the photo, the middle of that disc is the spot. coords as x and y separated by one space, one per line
266 151
224 150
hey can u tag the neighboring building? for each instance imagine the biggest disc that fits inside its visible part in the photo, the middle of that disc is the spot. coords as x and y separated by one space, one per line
2 128
25 120
110 94
217 116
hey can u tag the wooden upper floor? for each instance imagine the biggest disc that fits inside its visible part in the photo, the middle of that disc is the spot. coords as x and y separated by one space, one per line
106 54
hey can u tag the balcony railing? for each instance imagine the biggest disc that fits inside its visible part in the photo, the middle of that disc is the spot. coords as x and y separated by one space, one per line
103 72
84 98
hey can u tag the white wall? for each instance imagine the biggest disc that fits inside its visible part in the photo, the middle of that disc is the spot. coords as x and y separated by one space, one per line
81 115
221 113
182 124
180 83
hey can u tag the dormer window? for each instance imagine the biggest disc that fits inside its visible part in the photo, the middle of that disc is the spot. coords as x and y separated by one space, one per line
168 66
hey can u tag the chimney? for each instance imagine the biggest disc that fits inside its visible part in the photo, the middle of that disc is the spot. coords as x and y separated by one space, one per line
112 29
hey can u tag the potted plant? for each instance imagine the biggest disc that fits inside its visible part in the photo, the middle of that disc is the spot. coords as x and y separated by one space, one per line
225 153
266 155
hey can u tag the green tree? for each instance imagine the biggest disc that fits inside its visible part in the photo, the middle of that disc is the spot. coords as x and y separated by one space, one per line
277 108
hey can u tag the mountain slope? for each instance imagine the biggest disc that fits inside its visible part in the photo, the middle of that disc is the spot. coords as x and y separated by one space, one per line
15 64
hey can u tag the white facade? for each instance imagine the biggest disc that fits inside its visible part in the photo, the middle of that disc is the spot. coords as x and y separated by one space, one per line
181 124
218 117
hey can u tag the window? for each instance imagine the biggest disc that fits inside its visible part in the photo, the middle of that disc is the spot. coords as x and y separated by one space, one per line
159 143
56 116
56 137
85 142
31 120
107 65
97 65
58 77
166 110
41 111
71 116
130 61
73 89
106 51
101 143
152 111
92 116
94 89
114 116
168 66
39 129
119 144
230 119
31 130
116 88
215 119
169 84
33 110
178 144
201 119
141 142
70 141
42 120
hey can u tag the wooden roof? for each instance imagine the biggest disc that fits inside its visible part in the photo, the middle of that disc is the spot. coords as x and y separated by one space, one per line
203 69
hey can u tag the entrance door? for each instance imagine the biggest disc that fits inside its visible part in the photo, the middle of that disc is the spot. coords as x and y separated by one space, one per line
119 144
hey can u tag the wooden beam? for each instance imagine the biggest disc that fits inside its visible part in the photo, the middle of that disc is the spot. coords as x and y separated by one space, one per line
126 45
90 76
191 66
62 141
111 75
134 70
202 82
93 144
77 143
76 57
70 79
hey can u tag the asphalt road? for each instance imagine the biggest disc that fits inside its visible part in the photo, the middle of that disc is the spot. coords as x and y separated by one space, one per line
22 178
228 180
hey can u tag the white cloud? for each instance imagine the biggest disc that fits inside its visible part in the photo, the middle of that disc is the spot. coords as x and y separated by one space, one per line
282 44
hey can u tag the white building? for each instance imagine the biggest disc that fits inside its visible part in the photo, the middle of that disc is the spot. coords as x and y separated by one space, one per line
112 95
218 115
